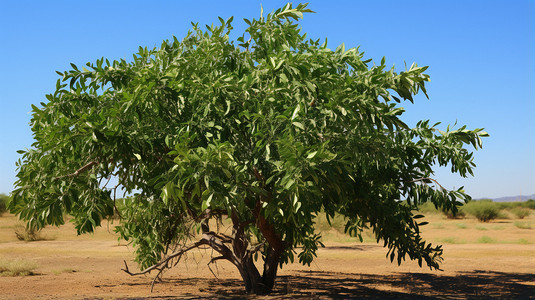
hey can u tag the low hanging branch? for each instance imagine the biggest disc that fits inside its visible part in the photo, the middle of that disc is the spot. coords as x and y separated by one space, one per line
210 239
163 264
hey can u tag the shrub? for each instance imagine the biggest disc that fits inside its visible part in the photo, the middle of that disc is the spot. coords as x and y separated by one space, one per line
530 204
427 208
522 225
511 205
322 225
486 240
521 212
508 205
17 267
28 234
482 210
459 215
4 200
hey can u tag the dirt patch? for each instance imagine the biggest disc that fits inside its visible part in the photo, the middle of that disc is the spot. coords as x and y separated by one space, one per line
88 267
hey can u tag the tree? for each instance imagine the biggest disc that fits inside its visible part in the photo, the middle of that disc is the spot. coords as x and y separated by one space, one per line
266 132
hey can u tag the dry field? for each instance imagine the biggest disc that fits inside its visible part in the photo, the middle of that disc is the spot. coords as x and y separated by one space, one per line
481 260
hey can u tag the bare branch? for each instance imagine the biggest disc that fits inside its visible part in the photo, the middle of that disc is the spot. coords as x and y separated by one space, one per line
86 167
106 184
213 261
210 239
164 262
115 201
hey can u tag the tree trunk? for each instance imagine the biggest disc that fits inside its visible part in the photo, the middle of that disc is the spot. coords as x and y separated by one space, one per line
271 265
251 277
254 283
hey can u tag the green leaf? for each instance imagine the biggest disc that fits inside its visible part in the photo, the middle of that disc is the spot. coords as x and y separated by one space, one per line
289 183
296 111
299 125
312 154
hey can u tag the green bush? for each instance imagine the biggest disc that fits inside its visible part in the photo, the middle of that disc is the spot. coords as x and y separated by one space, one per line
511 205
427 208
338 223
530 204
459 215
521 212
4 200
483 210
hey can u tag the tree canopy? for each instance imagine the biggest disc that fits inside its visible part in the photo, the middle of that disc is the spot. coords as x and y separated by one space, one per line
264 133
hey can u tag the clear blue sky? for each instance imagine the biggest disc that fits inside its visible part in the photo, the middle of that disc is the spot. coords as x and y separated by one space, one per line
480 55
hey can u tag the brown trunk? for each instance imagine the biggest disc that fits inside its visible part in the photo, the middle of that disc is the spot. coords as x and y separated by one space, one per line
254 283
271 265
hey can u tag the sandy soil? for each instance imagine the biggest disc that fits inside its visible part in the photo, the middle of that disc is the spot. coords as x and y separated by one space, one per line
89 267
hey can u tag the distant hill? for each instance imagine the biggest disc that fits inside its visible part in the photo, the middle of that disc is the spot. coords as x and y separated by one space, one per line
513 198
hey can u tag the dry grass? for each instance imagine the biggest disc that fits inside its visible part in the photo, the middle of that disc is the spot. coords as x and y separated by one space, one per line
461 225
89 266
486 240
23 233
522 225
17 267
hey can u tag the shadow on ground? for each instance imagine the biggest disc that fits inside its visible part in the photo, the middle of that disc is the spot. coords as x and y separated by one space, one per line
333 285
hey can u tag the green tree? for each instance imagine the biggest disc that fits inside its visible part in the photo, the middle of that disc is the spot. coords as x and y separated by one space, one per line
267 131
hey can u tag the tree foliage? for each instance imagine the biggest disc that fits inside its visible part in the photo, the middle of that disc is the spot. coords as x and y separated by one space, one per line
267 131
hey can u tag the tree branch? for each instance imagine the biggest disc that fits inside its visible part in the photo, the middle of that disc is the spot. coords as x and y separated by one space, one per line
86 167
253 249
213 261
210 239
164 261
258 175
267 229
427 178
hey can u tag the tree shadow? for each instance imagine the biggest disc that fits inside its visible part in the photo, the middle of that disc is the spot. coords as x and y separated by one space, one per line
352 247
470 285
336 285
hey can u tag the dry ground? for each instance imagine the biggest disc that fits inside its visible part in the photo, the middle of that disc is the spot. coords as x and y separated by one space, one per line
481 260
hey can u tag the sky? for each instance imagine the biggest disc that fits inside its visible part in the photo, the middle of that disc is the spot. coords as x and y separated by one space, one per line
480 56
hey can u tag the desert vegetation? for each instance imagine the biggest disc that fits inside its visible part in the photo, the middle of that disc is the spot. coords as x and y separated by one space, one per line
4 201
17 267
498 258
485 210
